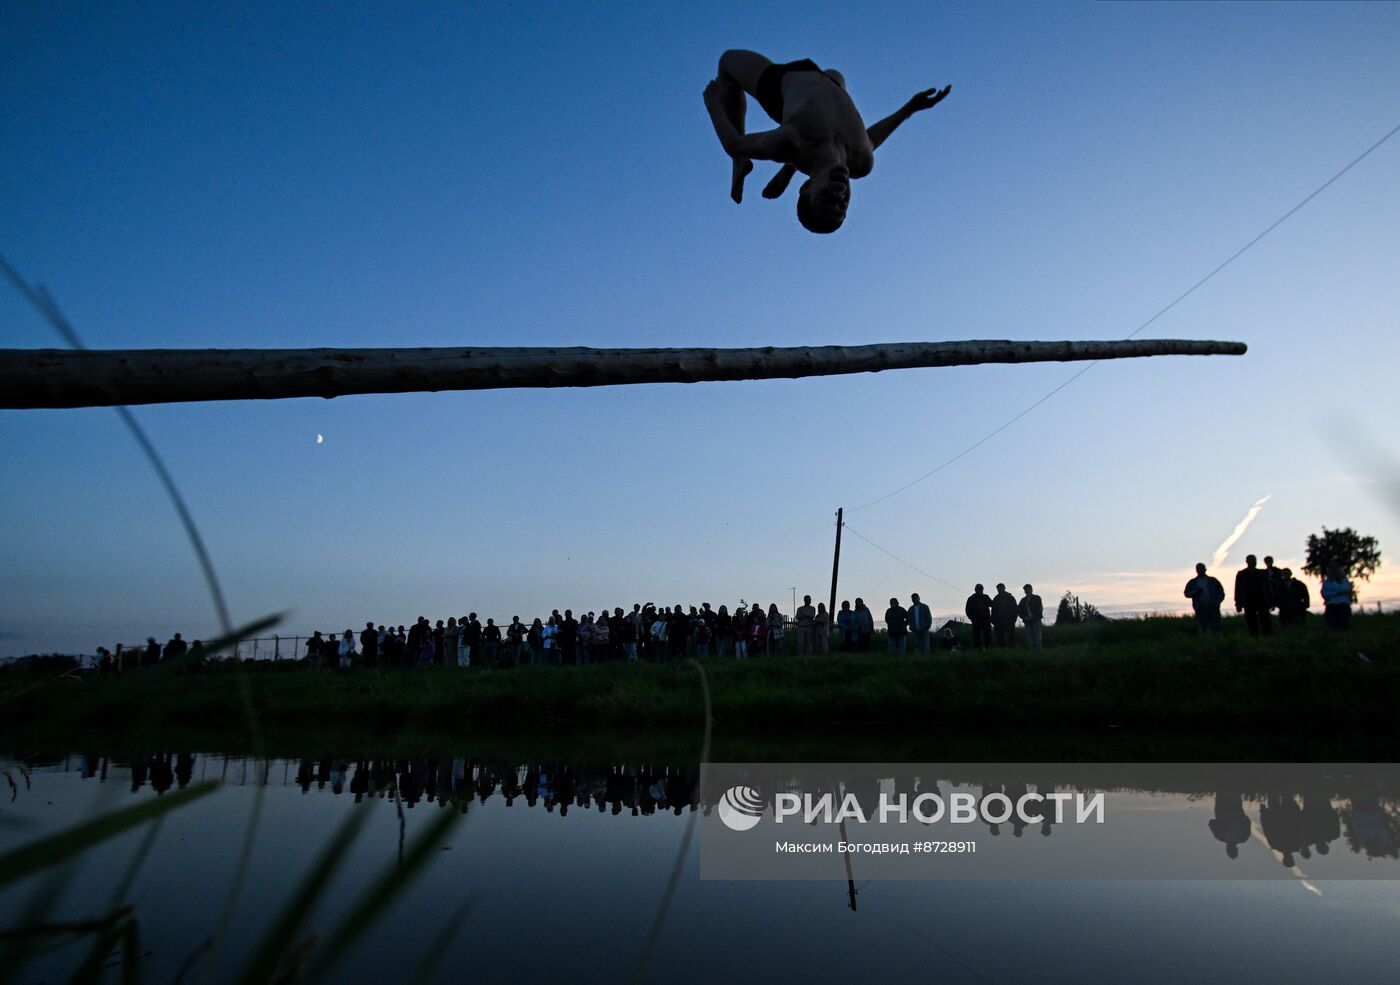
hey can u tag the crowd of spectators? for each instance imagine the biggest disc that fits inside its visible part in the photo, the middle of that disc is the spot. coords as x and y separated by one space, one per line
661 633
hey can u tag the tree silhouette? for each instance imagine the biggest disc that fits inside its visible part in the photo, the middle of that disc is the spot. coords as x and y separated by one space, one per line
1357 556
1073 611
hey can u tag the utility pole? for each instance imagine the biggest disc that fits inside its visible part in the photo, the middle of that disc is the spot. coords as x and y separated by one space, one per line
835 568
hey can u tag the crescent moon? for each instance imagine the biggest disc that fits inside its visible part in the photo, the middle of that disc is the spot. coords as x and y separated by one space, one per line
319 439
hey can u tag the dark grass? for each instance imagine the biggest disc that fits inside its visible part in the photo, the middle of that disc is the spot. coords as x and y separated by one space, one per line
1138 674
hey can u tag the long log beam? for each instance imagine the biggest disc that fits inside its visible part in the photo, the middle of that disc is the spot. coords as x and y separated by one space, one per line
39 378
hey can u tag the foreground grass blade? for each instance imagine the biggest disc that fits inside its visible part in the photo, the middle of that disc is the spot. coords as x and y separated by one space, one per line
227 640
281 937
375 900
437 950
46 853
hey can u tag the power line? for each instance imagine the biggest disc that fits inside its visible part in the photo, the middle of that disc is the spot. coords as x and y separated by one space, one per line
901 560
1179 298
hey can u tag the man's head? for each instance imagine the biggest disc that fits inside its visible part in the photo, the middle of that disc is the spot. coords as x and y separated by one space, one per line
977 589
823 199
1029 590
806 600
1001 587
1200 568
1250 561
1268 562
914 598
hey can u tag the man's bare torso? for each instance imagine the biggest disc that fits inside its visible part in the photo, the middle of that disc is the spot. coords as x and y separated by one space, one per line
817 113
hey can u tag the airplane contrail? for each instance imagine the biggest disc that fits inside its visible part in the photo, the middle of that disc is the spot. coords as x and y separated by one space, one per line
1223 551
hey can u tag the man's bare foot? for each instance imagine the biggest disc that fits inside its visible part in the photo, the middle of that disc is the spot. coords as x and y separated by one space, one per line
742 167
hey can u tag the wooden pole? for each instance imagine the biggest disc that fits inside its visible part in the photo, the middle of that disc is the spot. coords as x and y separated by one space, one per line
835 569
39 378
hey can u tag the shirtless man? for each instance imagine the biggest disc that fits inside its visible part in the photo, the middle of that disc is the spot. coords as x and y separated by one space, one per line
820 132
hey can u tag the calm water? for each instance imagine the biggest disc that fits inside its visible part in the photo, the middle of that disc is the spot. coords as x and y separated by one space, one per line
564 865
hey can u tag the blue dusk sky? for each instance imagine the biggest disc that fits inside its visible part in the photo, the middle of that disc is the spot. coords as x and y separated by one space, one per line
295 175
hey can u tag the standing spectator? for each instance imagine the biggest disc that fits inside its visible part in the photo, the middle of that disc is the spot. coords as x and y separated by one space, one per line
846 623
534 640
775 630
646 618
175 648
896 627
469 639
758 633
1032 613
660 629
1297 599
724 631
1252 597
602 637
1206 593
678 632
1273 577
702 639
515 637
490 642
979 612
413 645
568 638
624 635
920 623
152 652
347 649
1336 599
641 631
369 644
549 638
865 626
806 619
585 638
821 629
427 647
740 627
451 637
313 650
439 634
1004 615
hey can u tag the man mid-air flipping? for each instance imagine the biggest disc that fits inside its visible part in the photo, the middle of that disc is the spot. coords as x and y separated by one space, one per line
820 132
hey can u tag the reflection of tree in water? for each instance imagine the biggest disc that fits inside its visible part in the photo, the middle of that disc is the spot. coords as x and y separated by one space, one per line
1371 828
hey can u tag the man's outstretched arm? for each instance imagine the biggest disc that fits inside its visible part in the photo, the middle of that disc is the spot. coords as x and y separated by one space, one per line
770 145
929 98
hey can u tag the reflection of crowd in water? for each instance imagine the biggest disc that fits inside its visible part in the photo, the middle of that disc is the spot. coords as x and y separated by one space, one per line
1297 820
459 783
448 782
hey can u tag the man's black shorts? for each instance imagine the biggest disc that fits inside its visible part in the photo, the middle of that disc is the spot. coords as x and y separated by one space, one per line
770 85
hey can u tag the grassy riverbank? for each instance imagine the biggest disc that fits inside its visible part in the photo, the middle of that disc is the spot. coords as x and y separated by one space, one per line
1140 674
